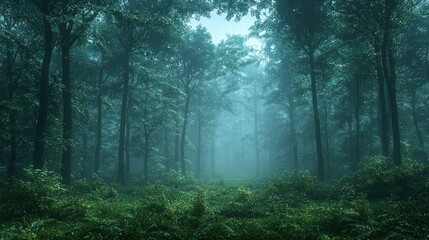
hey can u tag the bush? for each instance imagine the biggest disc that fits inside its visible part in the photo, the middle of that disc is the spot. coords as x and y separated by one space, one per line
96 187
36 193
380 178
298 186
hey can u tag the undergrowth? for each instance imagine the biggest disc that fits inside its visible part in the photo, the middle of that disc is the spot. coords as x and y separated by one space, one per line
378 201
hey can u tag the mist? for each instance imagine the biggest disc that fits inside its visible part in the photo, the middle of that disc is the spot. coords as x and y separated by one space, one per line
195 119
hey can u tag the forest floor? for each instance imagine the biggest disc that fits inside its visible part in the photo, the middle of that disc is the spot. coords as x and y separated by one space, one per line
294 205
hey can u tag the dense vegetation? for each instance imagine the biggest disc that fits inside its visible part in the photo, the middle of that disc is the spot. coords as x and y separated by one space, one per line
122 119
291 205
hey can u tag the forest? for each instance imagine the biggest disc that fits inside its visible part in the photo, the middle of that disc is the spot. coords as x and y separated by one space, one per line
123 119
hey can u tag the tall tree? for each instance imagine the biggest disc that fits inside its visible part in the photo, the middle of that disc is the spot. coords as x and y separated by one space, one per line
307 22
196 57
45 8
72 25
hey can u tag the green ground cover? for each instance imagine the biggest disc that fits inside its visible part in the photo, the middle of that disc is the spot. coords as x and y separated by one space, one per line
376 202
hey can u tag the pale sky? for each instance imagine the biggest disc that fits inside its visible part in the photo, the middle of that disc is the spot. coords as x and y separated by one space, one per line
219 27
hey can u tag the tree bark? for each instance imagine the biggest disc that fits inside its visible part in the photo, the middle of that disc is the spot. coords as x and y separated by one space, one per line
327 146
121 151
42 117
176 145
127 143
67 106
415 119
99 120
213 155
11 81
357 122
384 139
183 137
320 160
291 111
198 164
166 149
146 153
258 160
388 62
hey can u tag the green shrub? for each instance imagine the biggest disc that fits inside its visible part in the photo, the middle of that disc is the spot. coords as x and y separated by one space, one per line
199 207
96 187
239 203
36 193
298 187
380 178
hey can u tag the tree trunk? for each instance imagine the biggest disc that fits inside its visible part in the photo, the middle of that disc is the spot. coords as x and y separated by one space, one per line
388 62
39 161
384 139
415 119
99 120
67 108
258 163
183 138
327 146
166 149
146 153
126 77
12 113
320 160
357 122
198 164
127 144
176 146
85 163
213 156
291 110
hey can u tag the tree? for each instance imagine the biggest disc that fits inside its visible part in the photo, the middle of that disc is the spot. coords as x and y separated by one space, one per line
195 60
45 9
72 25
17 69
307 22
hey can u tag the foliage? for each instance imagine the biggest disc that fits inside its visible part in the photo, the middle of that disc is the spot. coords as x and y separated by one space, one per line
287 206
34 194
95 186
379 178
298 186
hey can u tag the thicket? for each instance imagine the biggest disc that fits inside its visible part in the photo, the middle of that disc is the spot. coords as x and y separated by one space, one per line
378 201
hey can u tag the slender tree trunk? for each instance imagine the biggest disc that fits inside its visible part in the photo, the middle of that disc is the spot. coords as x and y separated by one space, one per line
39 161
327 146
127 144
146 153
384 139
176 145
291 110
121 152
198 165
67 111
241 157
415 119
320 160
85 164
357 121
258 160
388 62
12 113
213 155
167 149
99 120
350 142
183 139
